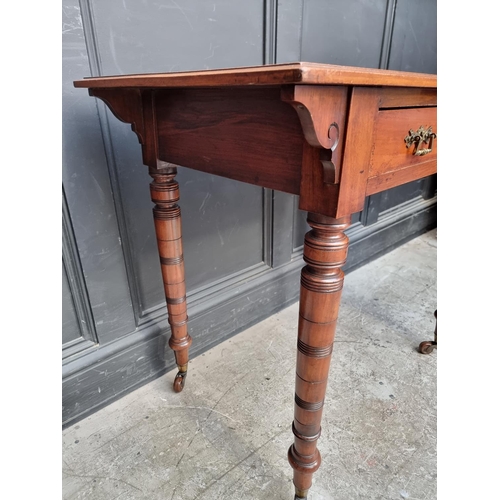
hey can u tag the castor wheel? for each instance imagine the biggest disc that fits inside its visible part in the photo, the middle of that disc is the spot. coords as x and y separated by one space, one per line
427 347
180 380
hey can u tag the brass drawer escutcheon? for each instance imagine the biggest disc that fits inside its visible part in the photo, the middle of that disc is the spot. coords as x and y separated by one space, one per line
420 137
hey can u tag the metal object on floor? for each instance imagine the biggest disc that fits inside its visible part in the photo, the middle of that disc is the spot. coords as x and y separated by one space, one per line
428 346
180 378
300 494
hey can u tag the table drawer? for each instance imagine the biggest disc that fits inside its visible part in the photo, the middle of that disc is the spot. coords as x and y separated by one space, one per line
391 161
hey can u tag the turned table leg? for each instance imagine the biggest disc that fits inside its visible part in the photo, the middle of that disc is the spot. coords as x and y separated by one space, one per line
167 218
325 251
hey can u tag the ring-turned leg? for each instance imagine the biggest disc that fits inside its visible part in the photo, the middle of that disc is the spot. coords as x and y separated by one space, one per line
325 251
167 218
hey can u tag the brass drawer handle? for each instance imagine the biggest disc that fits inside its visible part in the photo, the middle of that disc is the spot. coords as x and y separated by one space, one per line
420 137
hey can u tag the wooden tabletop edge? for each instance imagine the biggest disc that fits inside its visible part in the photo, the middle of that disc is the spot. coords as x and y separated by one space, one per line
279 74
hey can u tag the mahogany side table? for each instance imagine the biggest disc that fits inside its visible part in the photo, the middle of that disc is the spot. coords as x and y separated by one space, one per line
330 134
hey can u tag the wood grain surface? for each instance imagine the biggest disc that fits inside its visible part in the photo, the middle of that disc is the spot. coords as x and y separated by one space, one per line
273 74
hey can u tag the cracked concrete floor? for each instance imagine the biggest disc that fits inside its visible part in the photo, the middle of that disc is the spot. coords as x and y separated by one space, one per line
226 436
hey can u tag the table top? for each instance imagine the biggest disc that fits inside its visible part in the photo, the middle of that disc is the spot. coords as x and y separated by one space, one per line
274 74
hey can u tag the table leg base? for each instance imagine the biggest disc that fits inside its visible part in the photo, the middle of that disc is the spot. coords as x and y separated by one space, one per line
180 379
300 494
428 346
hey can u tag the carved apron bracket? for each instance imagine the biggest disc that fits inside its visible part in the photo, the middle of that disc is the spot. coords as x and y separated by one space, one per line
136 107
126 105
322 114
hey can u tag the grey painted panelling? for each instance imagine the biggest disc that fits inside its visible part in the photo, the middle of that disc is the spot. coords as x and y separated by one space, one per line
414 39
163 35
222 219
345 32
289 31
227 217
79 332
222 222
283 213
70 328
90 200
398 195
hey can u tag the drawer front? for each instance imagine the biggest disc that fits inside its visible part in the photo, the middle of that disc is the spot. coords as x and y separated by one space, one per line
393 126
392 162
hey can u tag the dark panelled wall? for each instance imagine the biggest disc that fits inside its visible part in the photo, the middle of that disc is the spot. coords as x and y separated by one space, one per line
242 243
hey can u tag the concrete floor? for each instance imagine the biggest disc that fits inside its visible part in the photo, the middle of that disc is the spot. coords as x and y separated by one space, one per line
226 436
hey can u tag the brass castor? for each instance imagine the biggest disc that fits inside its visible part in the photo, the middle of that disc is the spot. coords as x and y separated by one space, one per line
180 380
300 494
427 347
